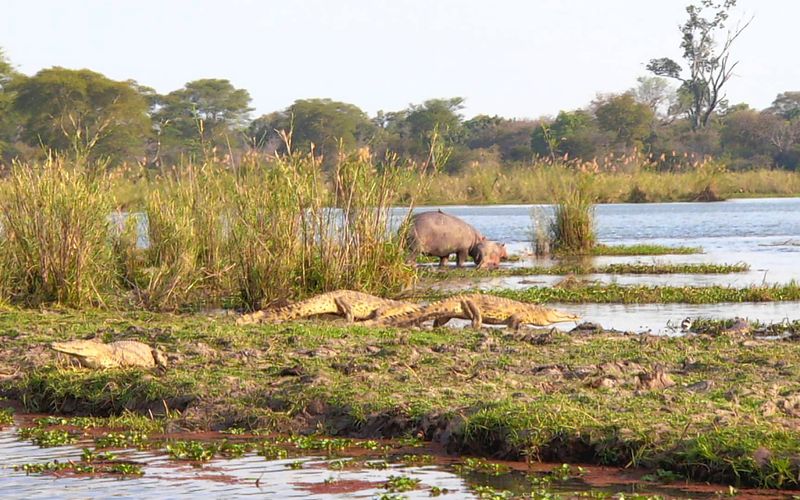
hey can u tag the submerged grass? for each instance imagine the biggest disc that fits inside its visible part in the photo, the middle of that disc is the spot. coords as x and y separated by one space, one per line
716 408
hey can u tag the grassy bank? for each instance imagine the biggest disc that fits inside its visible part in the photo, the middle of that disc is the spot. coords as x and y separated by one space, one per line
716 408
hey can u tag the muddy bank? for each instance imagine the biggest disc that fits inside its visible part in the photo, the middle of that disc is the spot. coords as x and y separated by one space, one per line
721 406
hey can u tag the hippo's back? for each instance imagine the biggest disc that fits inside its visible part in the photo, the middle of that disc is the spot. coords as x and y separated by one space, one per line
441 234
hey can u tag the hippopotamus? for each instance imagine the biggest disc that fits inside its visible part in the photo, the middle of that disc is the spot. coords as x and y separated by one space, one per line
440 234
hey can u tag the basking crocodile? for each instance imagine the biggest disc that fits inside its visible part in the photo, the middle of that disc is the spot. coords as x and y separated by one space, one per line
350 304
123 353
480 309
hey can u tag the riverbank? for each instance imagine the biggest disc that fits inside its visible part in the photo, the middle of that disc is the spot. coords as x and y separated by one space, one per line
718 407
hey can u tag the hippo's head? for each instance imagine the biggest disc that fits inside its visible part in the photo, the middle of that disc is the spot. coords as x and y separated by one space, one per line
489 254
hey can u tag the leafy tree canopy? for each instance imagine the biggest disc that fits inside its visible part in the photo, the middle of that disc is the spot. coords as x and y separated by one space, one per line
322 122
787 105
203 114
630 121
84 112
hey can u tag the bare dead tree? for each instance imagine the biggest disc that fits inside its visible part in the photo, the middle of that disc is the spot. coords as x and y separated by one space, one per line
709 64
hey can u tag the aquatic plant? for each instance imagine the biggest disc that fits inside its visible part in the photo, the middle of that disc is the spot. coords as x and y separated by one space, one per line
6 417
47 438
572 228
125 439
398 484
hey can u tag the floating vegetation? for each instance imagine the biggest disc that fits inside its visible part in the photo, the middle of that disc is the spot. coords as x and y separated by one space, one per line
642 250
82 467
47 438
399 484
643 294
487 492
196 451
6 417
317 443
416 460
127 439
567 269
477 465
271 451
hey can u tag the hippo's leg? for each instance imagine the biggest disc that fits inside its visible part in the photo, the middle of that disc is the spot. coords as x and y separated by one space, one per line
443 261
473 312
462 257
344 308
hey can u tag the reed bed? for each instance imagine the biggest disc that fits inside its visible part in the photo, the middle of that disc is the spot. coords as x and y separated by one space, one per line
616 179
55 228
262 230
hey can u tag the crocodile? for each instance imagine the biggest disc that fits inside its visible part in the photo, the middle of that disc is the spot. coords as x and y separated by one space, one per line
348 303
480 309
123 353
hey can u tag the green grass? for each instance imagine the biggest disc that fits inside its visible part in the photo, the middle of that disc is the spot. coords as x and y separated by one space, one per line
644 294
565 269
576 397
642 249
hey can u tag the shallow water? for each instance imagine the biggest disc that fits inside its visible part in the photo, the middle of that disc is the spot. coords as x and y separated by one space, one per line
763 233
252 475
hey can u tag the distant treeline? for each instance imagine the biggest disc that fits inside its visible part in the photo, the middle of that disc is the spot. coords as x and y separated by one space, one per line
85 113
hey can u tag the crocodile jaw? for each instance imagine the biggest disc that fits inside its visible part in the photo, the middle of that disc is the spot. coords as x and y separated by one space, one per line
555 316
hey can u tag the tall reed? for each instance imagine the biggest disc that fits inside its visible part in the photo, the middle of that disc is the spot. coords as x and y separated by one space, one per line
298 230
572 229
186 260
55 220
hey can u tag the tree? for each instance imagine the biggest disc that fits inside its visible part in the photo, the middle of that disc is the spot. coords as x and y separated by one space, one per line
203 115
709 66
510 137
574 133
759 139
630 121
323 122
657 94
787 105
8 120
83 112
410 131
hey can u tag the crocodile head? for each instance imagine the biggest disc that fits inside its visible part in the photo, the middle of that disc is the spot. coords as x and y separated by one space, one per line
550 316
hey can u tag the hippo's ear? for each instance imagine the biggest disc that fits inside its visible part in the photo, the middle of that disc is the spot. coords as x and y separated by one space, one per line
483 238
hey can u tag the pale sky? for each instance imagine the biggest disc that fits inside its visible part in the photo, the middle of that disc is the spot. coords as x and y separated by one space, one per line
514 58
